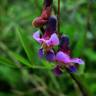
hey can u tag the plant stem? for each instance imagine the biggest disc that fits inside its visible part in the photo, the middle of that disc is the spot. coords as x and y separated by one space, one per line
89 15
81 85
58 16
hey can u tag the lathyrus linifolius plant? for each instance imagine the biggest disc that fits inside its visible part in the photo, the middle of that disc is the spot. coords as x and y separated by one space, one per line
50 38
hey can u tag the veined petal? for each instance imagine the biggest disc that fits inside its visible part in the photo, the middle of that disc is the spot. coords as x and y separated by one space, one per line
53 41
36 36
77 60
62 57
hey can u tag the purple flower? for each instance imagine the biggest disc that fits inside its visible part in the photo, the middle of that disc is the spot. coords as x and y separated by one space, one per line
52 41
68 62
50 56
47 45
50 27
64 58
48 40
37 37
41 52
64 44
72 69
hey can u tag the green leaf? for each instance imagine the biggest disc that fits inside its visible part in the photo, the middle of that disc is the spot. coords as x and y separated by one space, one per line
12 75
80 44
90 54
20 58
25 43
5 94
5 61
47 64
81 69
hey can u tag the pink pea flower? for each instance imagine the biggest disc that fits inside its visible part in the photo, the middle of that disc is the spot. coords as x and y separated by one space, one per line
63 57
47 45
49 55
66 59
52 41
48 40
49 34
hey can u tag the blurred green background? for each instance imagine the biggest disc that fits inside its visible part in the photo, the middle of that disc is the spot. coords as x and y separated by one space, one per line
22 73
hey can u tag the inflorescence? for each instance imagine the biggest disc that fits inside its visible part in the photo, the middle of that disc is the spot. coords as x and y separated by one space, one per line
53 47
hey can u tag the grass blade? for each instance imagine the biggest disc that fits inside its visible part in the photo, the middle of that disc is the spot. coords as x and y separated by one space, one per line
25 44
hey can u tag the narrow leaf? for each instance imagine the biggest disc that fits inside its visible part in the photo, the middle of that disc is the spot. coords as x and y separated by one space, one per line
25 43
4 60
20 58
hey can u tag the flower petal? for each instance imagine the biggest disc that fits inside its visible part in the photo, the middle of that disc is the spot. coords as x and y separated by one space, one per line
64 44
62 57
57 71
41 53
51 25
77 60
36 36
53 41
50 56
72 69
64 40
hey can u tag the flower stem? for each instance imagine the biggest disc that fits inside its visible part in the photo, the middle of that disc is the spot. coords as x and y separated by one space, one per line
58 16
81 85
